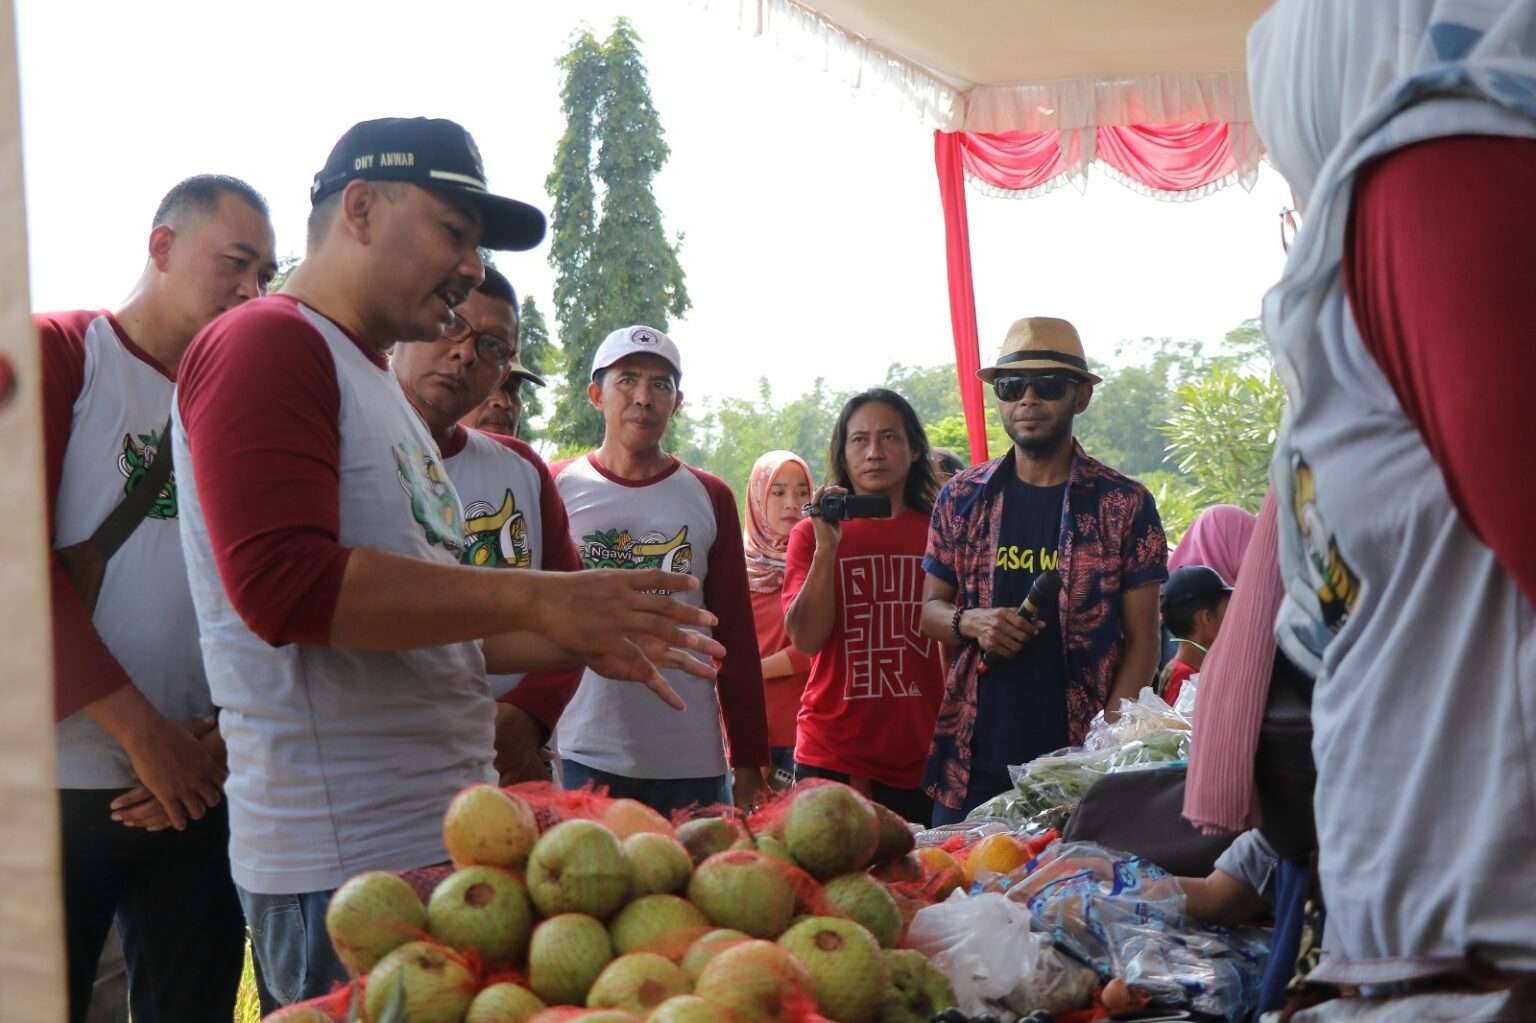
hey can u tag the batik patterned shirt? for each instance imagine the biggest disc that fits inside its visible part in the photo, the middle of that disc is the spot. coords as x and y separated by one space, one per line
1111 541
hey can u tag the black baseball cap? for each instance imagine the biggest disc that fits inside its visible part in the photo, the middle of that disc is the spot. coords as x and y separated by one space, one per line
434 153
1191 582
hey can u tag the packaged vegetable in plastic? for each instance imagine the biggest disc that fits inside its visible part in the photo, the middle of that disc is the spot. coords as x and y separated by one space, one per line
1079 891
1142 716
995 959
1211 971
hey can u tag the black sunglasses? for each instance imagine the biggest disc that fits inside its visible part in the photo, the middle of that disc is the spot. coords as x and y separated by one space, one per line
1048 386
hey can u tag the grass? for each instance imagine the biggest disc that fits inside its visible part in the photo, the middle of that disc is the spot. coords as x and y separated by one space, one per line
247 1008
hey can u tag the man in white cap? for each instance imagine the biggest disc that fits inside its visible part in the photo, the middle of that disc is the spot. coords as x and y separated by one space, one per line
1043 505
633 506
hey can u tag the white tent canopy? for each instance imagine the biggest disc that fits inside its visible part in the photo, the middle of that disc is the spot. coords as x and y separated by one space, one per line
1029 65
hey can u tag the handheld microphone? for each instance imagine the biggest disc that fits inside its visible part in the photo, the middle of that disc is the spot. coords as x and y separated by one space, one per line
1043 593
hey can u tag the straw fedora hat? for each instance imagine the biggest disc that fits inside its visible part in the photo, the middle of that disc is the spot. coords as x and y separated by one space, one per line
1041 343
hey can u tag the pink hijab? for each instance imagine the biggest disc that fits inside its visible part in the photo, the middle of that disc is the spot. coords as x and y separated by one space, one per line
765 551
1217 539
1234 688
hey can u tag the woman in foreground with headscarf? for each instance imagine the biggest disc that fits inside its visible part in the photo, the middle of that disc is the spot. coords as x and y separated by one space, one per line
778 487
1407 129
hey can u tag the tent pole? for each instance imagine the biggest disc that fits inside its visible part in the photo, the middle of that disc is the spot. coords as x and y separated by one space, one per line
31 903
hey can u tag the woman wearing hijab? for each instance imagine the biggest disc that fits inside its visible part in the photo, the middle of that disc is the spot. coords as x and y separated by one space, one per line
777 489
1407 129
1216 539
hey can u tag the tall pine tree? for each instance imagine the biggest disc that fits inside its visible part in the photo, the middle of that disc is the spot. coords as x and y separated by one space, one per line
619 268
534 352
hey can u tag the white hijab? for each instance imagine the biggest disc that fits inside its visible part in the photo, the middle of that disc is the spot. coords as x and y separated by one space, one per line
1336 84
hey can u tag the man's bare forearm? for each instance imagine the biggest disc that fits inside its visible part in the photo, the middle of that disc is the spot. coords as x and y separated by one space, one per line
393 602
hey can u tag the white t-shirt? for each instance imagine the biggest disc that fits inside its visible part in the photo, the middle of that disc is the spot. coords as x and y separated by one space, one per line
144 610
683 520
513 517
340 760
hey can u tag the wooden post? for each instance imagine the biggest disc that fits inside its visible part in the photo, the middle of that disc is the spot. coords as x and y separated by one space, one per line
32 986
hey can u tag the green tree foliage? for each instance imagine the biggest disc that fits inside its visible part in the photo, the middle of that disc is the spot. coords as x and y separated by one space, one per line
536 353
285 265
614 264
933 391
1222 434
949 433
1120 426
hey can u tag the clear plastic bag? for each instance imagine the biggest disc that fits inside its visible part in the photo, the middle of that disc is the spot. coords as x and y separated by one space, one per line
1143 716
1212 971
997 962
1050 784
1079 892
1184 706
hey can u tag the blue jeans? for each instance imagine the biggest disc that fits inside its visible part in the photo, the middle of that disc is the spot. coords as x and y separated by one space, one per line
664 795
293 953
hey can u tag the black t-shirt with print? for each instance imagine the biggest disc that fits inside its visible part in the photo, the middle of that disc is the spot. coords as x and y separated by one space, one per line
1022 705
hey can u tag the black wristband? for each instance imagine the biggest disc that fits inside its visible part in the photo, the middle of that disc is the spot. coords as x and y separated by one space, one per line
954 623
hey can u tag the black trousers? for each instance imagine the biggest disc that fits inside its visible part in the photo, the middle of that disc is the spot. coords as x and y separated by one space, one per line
910 804
179 918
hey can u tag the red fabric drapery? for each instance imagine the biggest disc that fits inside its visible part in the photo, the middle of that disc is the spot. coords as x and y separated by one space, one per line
1015 161
950 156
1171 159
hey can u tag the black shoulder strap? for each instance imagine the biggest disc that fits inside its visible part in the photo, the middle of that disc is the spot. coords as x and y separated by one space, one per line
119 525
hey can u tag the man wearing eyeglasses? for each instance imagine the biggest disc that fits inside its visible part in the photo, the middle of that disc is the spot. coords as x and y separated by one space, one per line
1043 505
513 515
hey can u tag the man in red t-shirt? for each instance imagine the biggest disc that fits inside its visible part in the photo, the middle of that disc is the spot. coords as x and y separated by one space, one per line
853 600
513 512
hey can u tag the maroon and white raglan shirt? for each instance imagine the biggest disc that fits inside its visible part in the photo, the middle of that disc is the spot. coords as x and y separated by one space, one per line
513 518
682 520
105 403
295 445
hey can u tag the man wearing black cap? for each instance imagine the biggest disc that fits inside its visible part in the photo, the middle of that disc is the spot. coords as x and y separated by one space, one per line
1193 602
340 634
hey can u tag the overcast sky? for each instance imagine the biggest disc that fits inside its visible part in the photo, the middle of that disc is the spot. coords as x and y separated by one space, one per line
813 237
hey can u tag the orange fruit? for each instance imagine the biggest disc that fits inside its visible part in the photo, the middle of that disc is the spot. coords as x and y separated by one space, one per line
995 854
943 872
625 817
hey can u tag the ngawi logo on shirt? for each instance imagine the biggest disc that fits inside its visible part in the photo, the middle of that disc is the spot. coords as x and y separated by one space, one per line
618 548
496 537
434 505
134 462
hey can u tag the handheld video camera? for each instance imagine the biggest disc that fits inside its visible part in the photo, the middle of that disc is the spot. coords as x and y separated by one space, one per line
837 507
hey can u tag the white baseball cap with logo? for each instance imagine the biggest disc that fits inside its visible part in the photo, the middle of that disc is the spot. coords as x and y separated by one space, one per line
636 340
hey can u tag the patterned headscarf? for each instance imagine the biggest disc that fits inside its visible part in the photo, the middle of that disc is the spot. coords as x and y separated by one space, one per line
765 549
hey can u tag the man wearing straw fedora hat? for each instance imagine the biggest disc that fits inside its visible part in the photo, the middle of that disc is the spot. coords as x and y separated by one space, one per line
1044 505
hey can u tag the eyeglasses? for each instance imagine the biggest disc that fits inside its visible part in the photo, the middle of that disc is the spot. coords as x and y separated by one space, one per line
492 347
1288 228
1048 386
